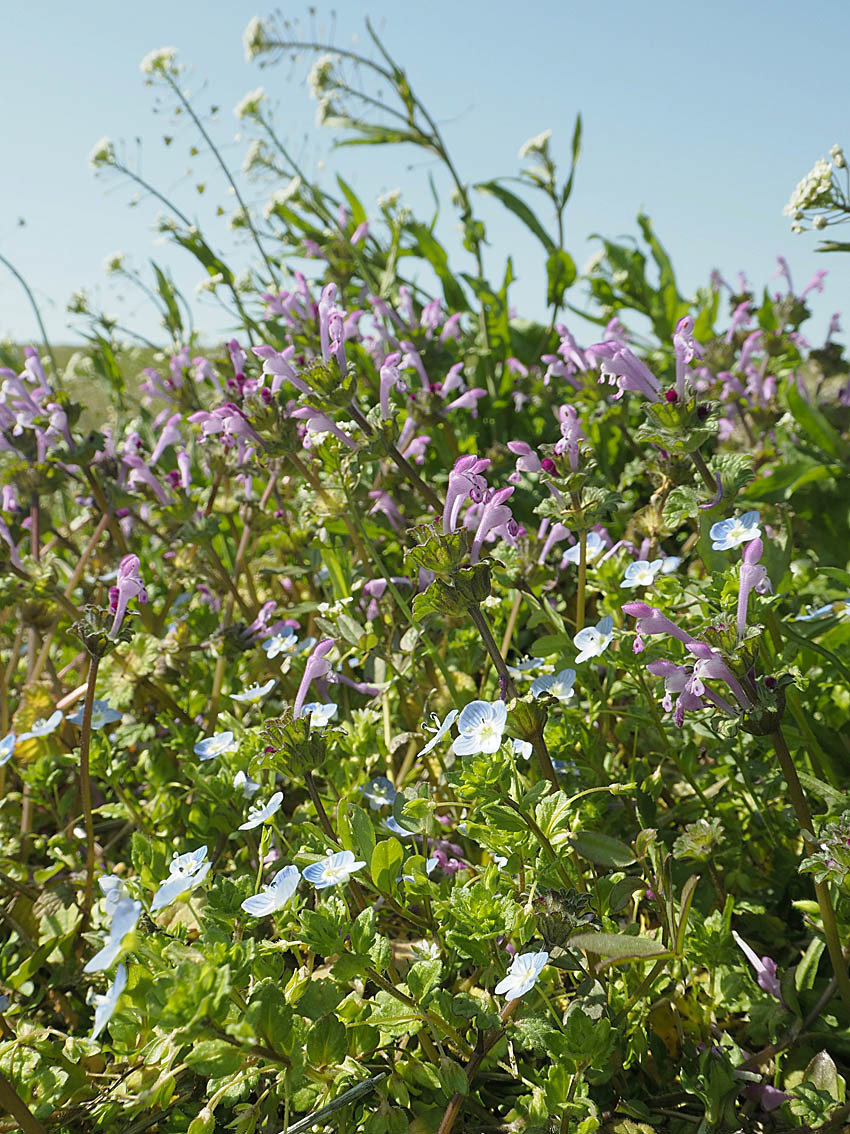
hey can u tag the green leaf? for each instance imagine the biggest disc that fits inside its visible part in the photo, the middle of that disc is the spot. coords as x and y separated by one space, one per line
364 831
603 850
358 213
688 891
435 254
520 209
812 422
214 1058
806 970
560 275
424 976
622 891
327 1042
393 1017
620 946
385 865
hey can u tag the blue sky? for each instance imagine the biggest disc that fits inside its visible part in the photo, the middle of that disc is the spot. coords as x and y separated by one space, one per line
704 117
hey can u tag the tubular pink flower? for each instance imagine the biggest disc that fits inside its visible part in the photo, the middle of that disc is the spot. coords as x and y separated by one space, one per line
623 369
390 377
317 666
465 480
279 365
652 621
170 435
710 664
753 577
686 349
494 514
127 585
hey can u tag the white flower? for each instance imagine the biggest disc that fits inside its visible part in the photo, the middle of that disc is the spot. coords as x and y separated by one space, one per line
209 283
387 200
185 872
260 812
104 1005
642 573
442 729
7 748
126 914
379 792
242 781
594 547
102 153
249 104
535 145
275 895
815 189
727 534
283 643
522 748
319 79
281 196
480 725
254 38
102 715
114 262
594 640
522 975
113 890
254 156
43 727
332 870
560 685
254 692
819 222
320 715
218 745
162 59
837 155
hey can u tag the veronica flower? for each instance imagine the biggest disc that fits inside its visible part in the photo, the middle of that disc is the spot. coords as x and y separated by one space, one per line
727 534
7 748
332 870
43 727
392 824
753 577
260 812
320 714
185 872
560 685
275 895
522 975
594 546
286 642
441 730
480 727
317 666
765 968
670 563
128 585
104 1005
243 782
255 692
524 666
379 791
113 890
522 748
126 914
594 640
642 573
102 715
218 745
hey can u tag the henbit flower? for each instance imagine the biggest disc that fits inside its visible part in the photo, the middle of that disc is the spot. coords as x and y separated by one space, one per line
332 870
379 791
317 666
522 975
243 782
185 872
730 533
571 434
217 745
43 726
480 727
104 1004
625 370
390 378
753 577
255 692
652 621
275 895
559 685
260 812
494 514
465 480
102 715
710 664
594 640
642 573
128 585
765 968
320 714
686 348
442 729
7 748
125 915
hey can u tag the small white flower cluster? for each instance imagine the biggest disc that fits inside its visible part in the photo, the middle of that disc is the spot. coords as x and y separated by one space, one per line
255 156
209 283
813 192
162 60
535 145
249 104
254 39
102 153
320 78
114 262
390 199
281 196
837 155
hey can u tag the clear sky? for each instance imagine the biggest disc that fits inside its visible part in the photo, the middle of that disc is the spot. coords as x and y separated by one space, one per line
705 116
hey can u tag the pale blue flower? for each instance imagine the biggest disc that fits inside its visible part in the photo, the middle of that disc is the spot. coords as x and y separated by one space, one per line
185 872
392 824
480 725
441 729
500 861
812 614
255 692
102 715
43 727
522 748
320 714
7 748
522 975
275 895
217 745
104 1005
594 640
113 890
126 914
642 573
243 782
283 643
560 685
379 791
260 812
595 547
670 563
525 666
730 533
332 870
431 864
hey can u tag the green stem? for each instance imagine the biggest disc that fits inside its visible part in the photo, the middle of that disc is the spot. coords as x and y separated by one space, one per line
85 786
37 314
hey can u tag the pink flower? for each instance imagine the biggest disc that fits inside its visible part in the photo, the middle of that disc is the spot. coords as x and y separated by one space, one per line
128 585
317 666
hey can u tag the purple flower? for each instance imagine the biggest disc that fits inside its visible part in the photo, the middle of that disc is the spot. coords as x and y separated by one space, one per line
765 968
465 480
390 377
753 577
623 369
128 585
686 349
494 515
317 666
